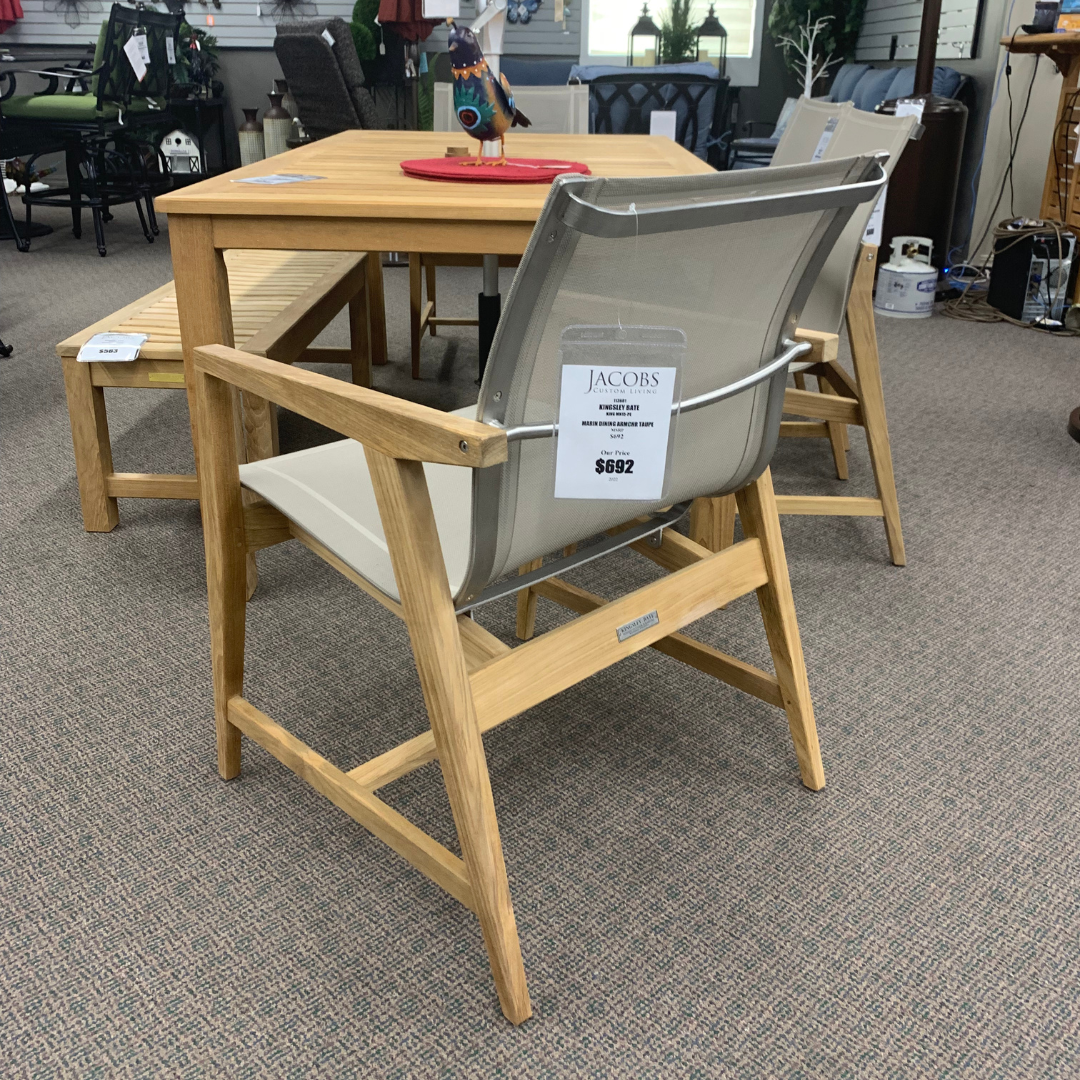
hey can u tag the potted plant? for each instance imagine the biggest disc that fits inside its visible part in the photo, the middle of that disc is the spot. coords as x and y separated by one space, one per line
196 63
815 34
678 33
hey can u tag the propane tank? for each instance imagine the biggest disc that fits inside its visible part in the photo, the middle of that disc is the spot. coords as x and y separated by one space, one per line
907 282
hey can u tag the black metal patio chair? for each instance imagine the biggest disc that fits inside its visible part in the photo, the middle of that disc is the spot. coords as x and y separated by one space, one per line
623 105
99 120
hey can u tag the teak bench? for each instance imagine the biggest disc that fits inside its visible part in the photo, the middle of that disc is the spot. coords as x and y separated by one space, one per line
281 301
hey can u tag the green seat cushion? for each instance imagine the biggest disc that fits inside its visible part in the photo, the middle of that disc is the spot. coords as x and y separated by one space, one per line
65 108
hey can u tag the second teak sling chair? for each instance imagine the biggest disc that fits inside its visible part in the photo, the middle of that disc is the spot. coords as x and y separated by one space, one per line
843 292
431 513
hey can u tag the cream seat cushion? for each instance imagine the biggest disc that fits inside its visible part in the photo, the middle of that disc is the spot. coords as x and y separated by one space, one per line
327 491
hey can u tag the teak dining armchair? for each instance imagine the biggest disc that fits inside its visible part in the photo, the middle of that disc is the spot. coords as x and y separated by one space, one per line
430 512
843 292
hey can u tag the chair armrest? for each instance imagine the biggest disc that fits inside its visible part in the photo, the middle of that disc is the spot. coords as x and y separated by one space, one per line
392 426
826 346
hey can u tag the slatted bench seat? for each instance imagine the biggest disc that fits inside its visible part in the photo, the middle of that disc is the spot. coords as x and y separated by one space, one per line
281 301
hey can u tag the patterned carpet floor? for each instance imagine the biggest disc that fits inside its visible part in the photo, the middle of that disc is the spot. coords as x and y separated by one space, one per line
685 907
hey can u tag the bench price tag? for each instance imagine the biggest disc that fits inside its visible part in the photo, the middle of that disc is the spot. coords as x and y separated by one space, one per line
613 432
111 348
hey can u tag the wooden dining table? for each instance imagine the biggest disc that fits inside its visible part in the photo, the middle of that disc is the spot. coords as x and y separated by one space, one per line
362 201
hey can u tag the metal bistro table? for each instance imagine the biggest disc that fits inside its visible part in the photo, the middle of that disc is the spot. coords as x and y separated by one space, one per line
366 203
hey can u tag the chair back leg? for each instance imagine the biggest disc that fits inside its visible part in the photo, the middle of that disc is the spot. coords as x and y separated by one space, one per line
526 604
862 333
416 306
415 553
360 337
712 522
429 283
837 432
376 307
757 513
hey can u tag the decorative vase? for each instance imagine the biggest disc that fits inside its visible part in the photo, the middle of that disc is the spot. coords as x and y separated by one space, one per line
250 133
277 126
288 102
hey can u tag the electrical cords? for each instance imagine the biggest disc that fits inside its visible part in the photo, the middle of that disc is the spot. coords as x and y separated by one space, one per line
1013 147
986 128
972 304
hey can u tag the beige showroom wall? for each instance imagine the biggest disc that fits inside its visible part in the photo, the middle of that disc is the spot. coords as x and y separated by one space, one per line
1029 170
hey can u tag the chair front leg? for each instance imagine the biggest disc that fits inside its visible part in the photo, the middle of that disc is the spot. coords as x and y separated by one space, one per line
757 512
416 555
217 418
73 158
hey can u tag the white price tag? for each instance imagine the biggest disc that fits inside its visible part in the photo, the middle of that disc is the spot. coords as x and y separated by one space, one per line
277 178
613 431
134 49
877 220
662 122
328 38
910 107
111 348
170 50
826 138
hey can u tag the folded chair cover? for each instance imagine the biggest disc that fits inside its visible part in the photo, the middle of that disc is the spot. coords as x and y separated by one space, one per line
856 132
725 259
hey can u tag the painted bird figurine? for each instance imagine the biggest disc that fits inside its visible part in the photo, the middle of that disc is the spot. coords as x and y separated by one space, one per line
484 104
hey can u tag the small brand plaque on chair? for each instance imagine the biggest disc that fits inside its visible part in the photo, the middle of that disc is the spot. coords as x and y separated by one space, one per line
636 626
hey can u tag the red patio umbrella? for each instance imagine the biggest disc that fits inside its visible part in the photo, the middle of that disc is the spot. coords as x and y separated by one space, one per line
10 13
404 17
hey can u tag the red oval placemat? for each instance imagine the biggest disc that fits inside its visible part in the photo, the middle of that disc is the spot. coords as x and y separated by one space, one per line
516 171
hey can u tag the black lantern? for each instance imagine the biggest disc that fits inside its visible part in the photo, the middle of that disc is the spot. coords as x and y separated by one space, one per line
712 42
644 46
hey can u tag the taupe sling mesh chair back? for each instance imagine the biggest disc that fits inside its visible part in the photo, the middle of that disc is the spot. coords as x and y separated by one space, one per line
857 132
428 511
843 290
804 130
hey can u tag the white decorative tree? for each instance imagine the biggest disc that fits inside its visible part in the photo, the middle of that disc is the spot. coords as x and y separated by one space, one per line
808 65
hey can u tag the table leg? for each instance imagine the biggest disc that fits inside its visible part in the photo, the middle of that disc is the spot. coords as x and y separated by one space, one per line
204 311
489 308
